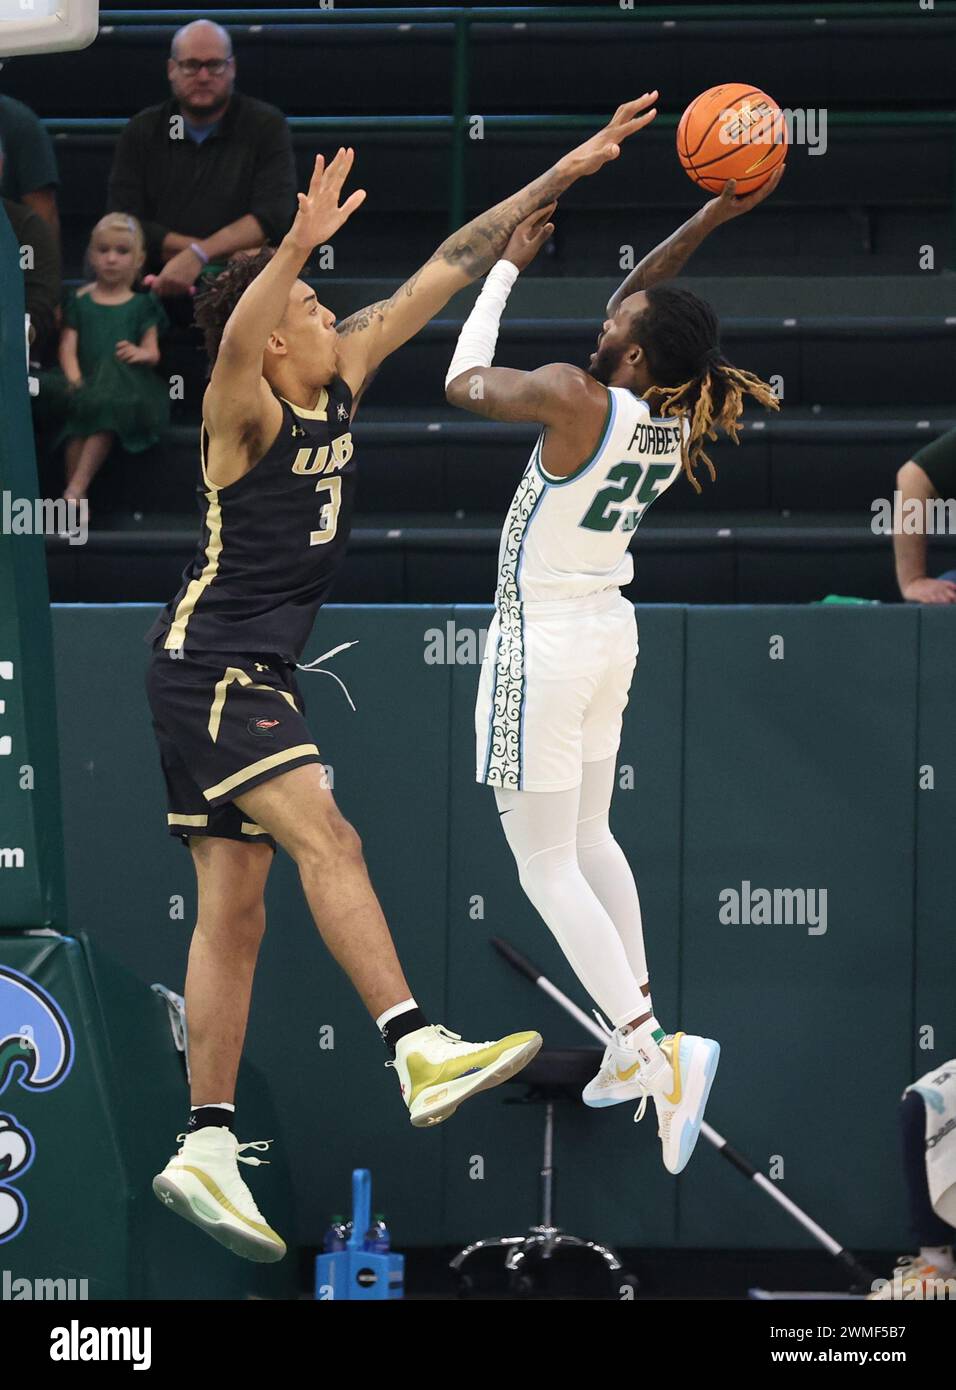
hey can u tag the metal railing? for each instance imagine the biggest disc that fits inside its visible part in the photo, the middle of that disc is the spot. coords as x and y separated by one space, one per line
464 19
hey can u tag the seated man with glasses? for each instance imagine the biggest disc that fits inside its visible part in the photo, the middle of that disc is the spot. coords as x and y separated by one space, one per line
208 173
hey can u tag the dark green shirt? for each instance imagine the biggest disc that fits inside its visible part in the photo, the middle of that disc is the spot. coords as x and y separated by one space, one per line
938 462
244 166
42 285
29 163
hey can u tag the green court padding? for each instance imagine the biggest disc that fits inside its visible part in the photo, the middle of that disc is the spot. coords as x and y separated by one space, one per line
31 841
797 773
106 1128
800 735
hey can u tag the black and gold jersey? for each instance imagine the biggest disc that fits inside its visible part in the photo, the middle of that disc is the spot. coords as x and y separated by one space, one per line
272 542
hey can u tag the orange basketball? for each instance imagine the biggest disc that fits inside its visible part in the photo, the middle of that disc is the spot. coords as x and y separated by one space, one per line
731 132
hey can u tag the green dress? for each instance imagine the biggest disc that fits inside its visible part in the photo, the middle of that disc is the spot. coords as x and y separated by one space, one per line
129 398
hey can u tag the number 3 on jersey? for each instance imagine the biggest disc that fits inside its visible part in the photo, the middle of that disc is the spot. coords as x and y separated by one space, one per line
607 510
329 512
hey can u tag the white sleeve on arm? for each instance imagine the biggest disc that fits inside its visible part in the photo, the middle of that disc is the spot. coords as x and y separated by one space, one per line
479 332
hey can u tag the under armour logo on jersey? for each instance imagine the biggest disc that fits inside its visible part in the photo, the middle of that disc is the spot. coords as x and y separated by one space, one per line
342 412
259 666
298 432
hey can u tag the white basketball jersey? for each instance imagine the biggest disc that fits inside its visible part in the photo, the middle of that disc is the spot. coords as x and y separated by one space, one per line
569 537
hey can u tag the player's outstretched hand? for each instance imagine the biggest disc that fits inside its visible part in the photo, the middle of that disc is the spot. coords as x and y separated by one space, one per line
319 216
529 236
728 205
606 145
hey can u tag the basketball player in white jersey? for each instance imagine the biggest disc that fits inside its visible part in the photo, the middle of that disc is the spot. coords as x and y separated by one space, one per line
563 642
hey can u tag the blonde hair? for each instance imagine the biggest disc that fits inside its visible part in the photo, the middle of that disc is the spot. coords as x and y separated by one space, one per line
118 222
697 402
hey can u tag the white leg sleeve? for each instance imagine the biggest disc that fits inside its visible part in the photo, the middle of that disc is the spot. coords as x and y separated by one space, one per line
604 865
541 829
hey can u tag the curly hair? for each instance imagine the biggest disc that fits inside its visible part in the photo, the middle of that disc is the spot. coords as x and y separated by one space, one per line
214 304
680 337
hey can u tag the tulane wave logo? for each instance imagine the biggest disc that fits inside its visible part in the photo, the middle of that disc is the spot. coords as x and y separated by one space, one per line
36 1043
36 1052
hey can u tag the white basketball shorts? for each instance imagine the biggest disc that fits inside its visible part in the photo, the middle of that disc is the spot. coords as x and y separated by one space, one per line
554 683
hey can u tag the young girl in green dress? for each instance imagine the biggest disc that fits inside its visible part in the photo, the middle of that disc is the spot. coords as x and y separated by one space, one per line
109 348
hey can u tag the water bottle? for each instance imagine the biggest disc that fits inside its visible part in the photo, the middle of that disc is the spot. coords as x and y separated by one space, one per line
377 1238
335 1236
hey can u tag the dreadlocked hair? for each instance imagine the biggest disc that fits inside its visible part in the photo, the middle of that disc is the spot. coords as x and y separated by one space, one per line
680 337
215 303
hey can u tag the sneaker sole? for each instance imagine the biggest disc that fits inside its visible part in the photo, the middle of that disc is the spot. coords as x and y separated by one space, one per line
248 1244
449 1096
700 1078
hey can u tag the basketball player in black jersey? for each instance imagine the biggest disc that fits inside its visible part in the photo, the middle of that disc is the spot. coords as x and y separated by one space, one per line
242 770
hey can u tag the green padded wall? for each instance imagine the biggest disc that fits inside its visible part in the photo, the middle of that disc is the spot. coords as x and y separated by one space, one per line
801 775
31 845
793 773
106 1128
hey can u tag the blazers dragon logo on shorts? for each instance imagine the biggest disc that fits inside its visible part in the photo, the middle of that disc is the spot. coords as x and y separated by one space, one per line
262 727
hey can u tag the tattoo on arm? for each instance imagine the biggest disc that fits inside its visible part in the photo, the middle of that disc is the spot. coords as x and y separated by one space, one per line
474 248
665 261
375 313
358 322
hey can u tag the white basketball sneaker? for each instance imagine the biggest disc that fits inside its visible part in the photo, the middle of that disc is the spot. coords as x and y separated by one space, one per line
201 1183
680 1111
678 1073
437 1070
628 1071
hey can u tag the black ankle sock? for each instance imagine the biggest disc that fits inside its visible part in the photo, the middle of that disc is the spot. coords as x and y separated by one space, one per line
400 1026
203 1116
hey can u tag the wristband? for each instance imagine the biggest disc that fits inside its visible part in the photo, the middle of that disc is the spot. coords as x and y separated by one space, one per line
197 250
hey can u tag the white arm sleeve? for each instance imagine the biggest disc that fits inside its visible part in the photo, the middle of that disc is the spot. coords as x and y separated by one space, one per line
479 333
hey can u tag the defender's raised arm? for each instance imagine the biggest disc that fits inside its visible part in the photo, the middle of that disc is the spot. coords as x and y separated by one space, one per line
371 334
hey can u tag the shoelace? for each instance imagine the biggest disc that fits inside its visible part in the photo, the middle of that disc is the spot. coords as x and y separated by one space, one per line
261 1144
315 667
452 1037
609 1067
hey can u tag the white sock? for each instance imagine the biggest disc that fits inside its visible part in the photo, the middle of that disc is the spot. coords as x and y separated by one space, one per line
605 867
394 1012
541 829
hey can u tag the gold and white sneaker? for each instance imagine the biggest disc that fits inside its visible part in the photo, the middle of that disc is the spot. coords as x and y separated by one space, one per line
437 1070
677 1074
202 1184
629 1070
680 1110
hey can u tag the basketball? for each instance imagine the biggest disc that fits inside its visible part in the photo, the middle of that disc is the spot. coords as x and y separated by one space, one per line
733 131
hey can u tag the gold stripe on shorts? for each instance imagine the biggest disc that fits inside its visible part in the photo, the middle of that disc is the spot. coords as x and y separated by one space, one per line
302 750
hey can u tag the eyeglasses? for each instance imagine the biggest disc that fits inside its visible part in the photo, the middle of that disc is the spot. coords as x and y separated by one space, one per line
214 66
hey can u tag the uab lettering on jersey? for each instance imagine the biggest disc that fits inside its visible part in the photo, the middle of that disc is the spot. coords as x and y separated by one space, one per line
325 459
613 506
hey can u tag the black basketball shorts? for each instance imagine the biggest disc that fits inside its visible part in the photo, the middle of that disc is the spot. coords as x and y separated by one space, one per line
225 722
